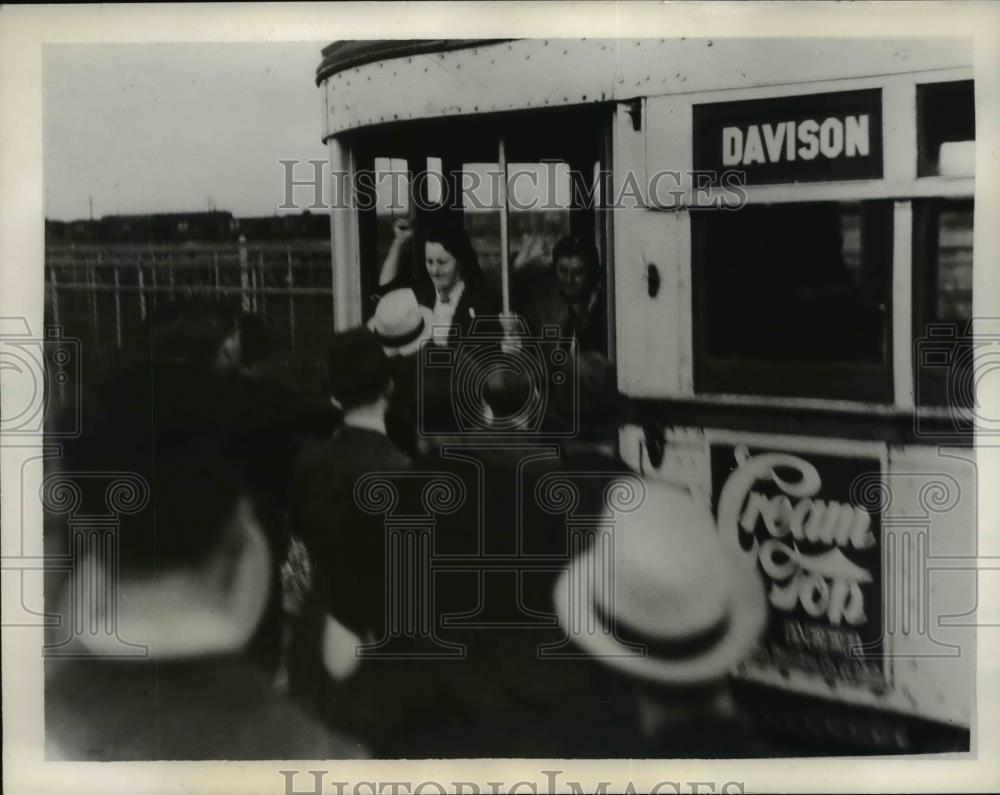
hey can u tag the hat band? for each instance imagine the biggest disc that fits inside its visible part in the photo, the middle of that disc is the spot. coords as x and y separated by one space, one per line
399 340
682 648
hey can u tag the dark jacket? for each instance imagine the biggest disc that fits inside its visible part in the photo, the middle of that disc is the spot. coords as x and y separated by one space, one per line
219 707
345 541
501 697
405 417
537 298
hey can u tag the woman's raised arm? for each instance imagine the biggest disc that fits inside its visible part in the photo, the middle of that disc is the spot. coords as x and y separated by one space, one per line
401 231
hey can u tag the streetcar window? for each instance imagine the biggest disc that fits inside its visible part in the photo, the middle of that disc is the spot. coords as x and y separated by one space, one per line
481 196
392 199
539 200
942 248
553 160
946 120
435 188
793 300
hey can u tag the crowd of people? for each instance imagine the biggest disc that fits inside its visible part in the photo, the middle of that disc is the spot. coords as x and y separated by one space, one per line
262 605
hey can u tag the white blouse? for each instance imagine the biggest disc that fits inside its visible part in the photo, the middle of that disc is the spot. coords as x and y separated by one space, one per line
444 312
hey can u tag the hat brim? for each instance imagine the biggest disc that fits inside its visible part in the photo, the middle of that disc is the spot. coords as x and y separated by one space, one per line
747 617
414 345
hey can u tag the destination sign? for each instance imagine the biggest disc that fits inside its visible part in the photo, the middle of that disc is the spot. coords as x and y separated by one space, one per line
809 138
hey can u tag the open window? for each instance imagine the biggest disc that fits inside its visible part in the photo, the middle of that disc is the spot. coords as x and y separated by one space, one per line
553 165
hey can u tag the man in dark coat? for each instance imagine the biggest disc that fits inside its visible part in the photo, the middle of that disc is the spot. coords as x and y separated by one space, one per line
569 295
504 697
346 541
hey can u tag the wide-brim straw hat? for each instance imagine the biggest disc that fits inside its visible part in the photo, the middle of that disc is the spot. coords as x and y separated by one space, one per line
401 324
673 604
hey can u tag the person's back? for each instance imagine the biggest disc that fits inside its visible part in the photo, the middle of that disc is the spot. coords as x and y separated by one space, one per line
345 542
339 484
506 697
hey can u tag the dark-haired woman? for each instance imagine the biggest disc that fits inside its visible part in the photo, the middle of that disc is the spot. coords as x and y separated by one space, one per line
451 283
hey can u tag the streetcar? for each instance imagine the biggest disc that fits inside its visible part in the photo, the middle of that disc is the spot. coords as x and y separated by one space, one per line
785 232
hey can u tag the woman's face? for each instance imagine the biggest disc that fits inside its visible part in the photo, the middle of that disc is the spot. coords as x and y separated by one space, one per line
442 267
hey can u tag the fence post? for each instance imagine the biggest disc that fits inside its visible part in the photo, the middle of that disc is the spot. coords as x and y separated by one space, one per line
118 310
262 286
152 282
142 290
244 275
291 301
253 288
215 269
54 289
92 283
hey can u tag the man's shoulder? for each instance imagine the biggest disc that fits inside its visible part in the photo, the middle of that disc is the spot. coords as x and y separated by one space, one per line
352 451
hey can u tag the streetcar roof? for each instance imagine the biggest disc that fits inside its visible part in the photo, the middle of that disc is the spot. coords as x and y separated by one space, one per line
376 82
342 55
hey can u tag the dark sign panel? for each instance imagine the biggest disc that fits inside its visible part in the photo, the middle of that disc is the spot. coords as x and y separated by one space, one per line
810 138
820 556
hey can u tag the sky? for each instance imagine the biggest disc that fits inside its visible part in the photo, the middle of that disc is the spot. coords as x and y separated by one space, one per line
146 128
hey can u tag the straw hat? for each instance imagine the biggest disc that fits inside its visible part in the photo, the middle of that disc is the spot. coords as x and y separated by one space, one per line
673 605
401 323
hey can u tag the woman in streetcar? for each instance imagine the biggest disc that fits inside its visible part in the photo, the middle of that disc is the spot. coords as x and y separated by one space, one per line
451 284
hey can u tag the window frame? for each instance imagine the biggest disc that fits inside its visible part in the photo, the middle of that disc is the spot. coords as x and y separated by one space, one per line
931 388
669 140
857 380
528 135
